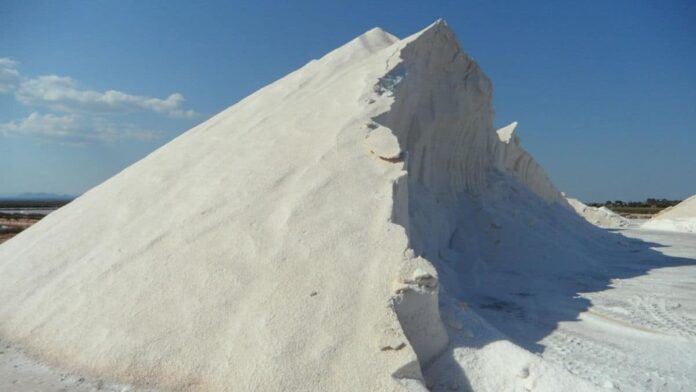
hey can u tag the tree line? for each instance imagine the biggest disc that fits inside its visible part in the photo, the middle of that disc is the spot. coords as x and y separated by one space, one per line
648 203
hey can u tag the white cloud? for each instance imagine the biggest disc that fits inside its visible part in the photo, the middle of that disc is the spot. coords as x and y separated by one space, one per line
80 115
63 94
74 128
9 75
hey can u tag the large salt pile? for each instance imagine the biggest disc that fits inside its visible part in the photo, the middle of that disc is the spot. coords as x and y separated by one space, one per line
681 217
599 216
294 241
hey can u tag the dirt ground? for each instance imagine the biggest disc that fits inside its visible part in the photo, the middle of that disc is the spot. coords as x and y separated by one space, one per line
12 224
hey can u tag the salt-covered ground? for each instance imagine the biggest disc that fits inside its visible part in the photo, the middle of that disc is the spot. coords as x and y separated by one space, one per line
640 335
21 373
637 335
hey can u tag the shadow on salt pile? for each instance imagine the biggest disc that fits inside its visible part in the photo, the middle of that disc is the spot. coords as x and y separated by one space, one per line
527 306
510 253
511 267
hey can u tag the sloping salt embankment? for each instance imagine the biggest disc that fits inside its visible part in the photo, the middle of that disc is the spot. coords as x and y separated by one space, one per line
602 216
308 238
681 217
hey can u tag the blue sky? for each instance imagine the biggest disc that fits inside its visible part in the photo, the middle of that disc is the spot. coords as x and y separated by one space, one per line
604 91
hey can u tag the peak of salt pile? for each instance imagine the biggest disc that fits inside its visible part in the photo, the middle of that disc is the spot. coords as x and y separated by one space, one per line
681 217
295 241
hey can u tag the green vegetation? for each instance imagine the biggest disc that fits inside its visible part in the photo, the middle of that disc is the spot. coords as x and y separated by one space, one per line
650 206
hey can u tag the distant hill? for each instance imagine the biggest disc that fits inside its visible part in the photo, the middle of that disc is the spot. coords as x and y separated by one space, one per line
36 196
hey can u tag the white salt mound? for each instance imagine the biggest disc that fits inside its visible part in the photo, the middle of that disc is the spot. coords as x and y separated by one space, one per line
681 217
298 240
599 216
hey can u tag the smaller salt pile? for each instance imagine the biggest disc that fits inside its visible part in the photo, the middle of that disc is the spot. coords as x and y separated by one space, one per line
681 217
599 216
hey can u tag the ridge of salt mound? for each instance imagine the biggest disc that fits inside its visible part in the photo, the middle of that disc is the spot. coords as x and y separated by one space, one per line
510 157
363 45
267 249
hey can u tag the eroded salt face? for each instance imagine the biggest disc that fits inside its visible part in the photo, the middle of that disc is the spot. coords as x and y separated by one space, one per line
382 142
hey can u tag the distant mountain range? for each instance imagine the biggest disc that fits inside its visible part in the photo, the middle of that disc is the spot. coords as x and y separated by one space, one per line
35 196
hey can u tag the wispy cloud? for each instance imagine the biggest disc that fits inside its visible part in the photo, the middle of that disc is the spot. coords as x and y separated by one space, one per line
74 128
78 114
9 75
63 94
